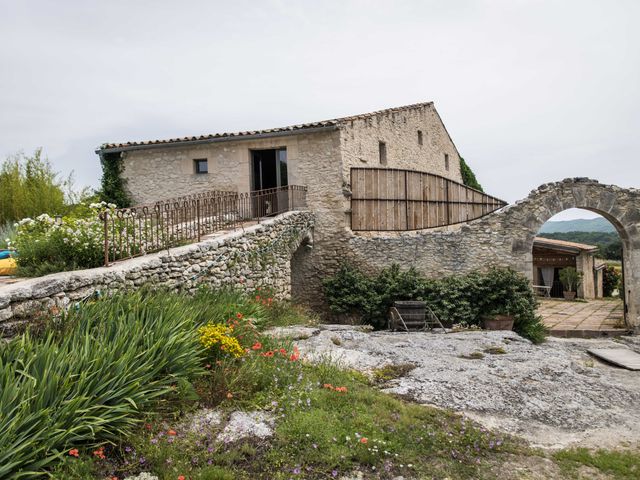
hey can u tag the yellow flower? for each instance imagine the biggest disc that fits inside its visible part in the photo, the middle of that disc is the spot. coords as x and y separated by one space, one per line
218 336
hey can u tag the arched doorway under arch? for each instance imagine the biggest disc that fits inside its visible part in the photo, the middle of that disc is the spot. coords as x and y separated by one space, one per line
621 207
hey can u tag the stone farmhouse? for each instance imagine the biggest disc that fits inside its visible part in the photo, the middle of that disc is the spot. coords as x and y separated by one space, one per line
383 187
318 155
408 140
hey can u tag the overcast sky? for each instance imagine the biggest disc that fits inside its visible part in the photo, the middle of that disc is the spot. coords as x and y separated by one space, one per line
530 91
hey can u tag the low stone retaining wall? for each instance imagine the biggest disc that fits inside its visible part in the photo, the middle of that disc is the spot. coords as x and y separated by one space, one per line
258 256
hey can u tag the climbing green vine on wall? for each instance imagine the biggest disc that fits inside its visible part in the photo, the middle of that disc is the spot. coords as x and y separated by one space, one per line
468 177
112 184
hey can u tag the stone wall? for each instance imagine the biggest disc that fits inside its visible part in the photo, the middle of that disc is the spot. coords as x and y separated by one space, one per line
398 129
503 239
158 173
258 256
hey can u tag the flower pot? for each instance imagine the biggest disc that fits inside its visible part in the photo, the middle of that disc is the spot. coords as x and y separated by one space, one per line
569 295
498 322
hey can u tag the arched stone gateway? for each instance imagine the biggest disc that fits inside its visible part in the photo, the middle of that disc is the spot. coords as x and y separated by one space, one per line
619 206
505 237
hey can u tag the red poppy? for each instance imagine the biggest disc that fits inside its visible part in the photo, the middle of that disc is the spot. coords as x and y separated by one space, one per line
296 354
74 452
283 351
181 477
257 346
239 315
268 354
99 453
172 433
363 440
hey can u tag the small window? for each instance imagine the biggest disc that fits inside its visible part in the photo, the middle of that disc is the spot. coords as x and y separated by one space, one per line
382 147
201 165
419 137
446 161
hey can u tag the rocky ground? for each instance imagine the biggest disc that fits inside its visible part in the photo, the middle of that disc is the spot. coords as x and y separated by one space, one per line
555 394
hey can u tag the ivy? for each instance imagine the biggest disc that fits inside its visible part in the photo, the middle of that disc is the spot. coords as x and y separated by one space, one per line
468 177
112 188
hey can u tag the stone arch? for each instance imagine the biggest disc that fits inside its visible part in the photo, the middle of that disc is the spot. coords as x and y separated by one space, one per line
619 206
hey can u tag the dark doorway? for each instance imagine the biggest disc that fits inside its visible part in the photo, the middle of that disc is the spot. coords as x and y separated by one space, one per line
269 172
269 168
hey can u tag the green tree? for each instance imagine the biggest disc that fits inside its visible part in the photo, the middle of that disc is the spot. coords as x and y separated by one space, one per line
29 186
468 177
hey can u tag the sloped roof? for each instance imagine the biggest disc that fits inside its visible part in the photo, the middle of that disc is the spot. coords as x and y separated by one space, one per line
563 245
292 129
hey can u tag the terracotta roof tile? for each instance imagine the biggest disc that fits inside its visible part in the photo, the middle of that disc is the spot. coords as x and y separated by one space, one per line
551 242
291 128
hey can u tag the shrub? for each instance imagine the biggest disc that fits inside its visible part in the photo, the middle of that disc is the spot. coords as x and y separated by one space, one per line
611 279
455 299
87 383
7 235
46 245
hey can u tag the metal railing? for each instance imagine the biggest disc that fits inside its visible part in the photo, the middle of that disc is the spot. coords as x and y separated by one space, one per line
135 231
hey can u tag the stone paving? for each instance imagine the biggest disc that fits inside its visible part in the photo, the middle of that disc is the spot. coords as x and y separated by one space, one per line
583 319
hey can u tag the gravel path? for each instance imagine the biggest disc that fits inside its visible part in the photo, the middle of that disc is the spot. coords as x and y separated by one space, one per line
554 395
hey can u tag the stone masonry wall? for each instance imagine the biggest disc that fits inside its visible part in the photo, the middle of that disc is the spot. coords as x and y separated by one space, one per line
160 173
503 239
359 142
258 256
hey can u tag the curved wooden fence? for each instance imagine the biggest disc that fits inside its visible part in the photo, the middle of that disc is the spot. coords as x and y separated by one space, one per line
387 199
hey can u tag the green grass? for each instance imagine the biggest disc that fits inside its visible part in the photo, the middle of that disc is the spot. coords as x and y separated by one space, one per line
122 372
86 380
619 464
320 431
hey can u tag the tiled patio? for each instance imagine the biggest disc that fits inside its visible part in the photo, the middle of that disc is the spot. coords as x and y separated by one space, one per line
593 318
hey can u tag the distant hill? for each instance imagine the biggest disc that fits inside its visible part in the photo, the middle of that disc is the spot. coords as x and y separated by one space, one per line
608 243
579 225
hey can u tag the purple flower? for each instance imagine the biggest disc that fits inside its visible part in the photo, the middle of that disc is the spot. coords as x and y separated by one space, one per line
142 460
334 473
296 471
127 449
154 440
